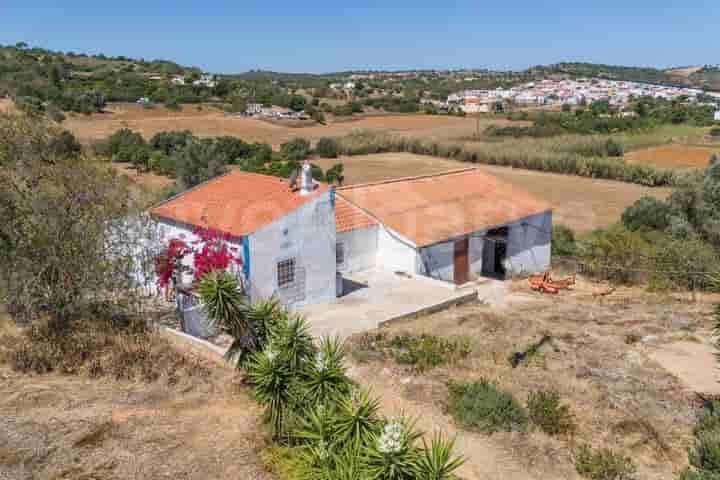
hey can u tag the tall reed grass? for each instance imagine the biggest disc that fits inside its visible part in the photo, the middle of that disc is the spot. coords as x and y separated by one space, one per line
546 155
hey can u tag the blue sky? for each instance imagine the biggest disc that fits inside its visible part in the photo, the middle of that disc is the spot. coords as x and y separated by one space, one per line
320 36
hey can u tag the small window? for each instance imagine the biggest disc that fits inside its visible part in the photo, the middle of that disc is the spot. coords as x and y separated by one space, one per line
339 253
286 272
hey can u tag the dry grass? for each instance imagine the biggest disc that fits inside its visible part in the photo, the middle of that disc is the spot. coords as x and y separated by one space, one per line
212 122
674 156
620 397
72 427
580 203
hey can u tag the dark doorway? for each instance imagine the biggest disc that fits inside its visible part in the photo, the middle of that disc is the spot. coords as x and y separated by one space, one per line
460 262
495 252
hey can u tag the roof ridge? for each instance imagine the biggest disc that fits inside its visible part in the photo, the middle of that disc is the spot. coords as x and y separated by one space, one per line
407 179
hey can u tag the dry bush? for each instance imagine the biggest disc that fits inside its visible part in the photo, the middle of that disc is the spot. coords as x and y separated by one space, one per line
99 348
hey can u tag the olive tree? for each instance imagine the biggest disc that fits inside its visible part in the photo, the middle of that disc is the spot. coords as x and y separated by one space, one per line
72 233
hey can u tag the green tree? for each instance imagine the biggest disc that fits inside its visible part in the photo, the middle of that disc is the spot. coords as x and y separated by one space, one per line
296 149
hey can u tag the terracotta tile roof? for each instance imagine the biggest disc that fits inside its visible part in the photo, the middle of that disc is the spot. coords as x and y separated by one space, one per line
349 217
434 208
237 203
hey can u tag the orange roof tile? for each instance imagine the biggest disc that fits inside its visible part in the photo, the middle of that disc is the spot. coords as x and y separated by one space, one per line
348 217
434 208
237 203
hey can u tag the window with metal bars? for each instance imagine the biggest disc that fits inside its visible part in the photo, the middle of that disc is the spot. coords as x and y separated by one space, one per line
286 272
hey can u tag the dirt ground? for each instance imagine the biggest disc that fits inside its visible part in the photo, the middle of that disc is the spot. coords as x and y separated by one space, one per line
580 203
673 156
620 395
212 122
5 105
69 427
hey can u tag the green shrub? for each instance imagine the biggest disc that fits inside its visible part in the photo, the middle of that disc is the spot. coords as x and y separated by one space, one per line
172 104
705 453
327 148
295 150
428 351
690 474
480 405
603 464
715 132
546 411
647 212
563 241
124 138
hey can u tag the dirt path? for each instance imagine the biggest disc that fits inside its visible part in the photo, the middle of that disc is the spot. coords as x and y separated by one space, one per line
694 363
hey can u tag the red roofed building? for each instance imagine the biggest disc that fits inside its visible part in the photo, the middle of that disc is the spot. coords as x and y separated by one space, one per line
453 226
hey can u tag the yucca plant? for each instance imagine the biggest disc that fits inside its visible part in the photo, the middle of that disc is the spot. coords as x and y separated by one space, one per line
274 385
324 379
223 302
292 337
393 455
437 461
356 420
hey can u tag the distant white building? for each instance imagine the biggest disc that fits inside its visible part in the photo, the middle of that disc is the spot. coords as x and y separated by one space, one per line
177 80
205 81
717 116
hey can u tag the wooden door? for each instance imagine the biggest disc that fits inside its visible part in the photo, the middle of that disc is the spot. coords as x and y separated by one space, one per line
460 262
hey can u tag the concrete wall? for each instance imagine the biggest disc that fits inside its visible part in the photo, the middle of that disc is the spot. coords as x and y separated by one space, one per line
360 248
306 234
396 253
529 242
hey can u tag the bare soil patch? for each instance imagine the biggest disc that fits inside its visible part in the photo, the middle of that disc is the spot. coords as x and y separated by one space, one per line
581 203
620 396
673 156
6 105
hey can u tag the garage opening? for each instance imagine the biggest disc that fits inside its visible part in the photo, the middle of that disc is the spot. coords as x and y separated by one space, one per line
495 252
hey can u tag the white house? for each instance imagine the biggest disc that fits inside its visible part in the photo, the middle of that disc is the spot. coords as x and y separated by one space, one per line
286 237
717 116
454 227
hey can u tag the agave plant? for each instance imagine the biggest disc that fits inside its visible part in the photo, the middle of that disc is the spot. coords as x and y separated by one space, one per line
436 461
393 455
324 379
356 419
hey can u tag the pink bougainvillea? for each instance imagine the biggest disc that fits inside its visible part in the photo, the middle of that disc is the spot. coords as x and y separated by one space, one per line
211 251
167 262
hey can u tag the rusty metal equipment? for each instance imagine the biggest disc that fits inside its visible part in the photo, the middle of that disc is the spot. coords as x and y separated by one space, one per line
544 283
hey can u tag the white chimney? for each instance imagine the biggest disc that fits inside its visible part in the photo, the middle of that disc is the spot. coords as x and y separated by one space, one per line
306 180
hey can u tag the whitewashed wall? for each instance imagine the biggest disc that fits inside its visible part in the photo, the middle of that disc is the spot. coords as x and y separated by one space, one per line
529 244
396 253
360 248
437 261
306 234
475 255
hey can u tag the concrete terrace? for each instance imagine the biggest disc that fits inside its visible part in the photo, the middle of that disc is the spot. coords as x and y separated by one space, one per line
374 297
